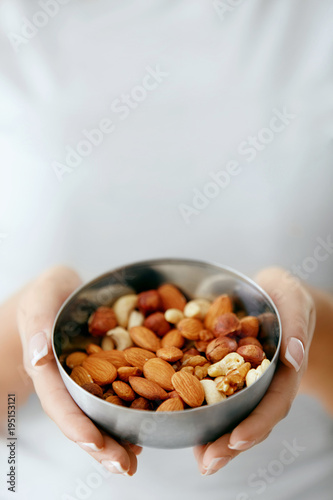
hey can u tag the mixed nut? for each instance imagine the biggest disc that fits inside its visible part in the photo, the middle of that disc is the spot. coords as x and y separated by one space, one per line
157 351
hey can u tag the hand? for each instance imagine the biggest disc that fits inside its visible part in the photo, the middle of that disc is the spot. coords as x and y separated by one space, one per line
297 312
36 313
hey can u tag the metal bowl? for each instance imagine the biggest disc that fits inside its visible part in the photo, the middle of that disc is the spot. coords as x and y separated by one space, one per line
196 279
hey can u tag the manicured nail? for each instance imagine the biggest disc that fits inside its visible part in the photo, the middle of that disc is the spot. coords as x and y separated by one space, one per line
295 353
215 465
91 446
114 467
38 348
241 445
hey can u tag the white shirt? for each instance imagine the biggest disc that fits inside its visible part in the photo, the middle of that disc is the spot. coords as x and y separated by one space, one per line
214 141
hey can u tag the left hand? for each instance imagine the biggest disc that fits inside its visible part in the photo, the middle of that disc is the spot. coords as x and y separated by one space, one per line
297 312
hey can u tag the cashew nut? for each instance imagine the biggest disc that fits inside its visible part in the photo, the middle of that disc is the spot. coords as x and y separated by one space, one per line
197 308
136 318
123 307
263 367
107 343
173 315
251 377
253 374
229 362
212 395
121 338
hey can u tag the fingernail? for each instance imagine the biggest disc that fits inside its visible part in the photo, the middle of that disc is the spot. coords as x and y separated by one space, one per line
295 353
215 465
38 348
114 467
241 445
91 446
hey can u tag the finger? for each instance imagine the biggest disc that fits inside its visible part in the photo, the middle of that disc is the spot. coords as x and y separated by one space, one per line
133 460
60 407
37 311
273 408
115 456
199 451
213 456
297 313
137 450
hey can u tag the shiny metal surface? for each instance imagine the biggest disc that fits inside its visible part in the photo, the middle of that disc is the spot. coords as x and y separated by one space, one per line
196 279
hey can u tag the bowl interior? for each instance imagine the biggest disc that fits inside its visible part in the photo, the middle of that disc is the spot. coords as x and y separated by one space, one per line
194 278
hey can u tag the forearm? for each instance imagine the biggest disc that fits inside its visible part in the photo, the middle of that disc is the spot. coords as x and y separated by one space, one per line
12 375
317 381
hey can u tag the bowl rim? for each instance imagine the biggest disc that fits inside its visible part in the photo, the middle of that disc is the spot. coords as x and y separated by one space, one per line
168 260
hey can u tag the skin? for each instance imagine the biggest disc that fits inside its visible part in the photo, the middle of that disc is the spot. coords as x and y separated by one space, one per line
33 310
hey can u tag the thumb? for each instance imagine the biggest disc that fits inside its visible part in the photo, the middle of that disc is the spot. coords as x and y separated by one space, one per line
297 313
38 309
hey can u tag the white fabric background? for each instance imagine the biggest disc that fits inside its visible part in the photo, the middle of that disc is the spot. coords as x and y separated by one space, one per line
226 76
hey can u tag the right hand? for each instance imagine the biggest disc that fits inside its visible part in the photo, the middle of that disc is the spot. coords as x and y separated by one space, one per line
36 313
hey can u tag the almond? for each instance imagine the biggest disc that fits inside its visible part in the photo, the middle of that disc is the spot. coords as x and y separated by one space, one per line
171 297
102 320
75 359
220 347
157 323
93 348
137 357
115 400
173 339
117 358
123 390
249 326
145 338
170 354
251 354
81 376
141 404
101 370
149 301
158 370
124 372
190 328
221 305
94 389
172 404
147 388
188 388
